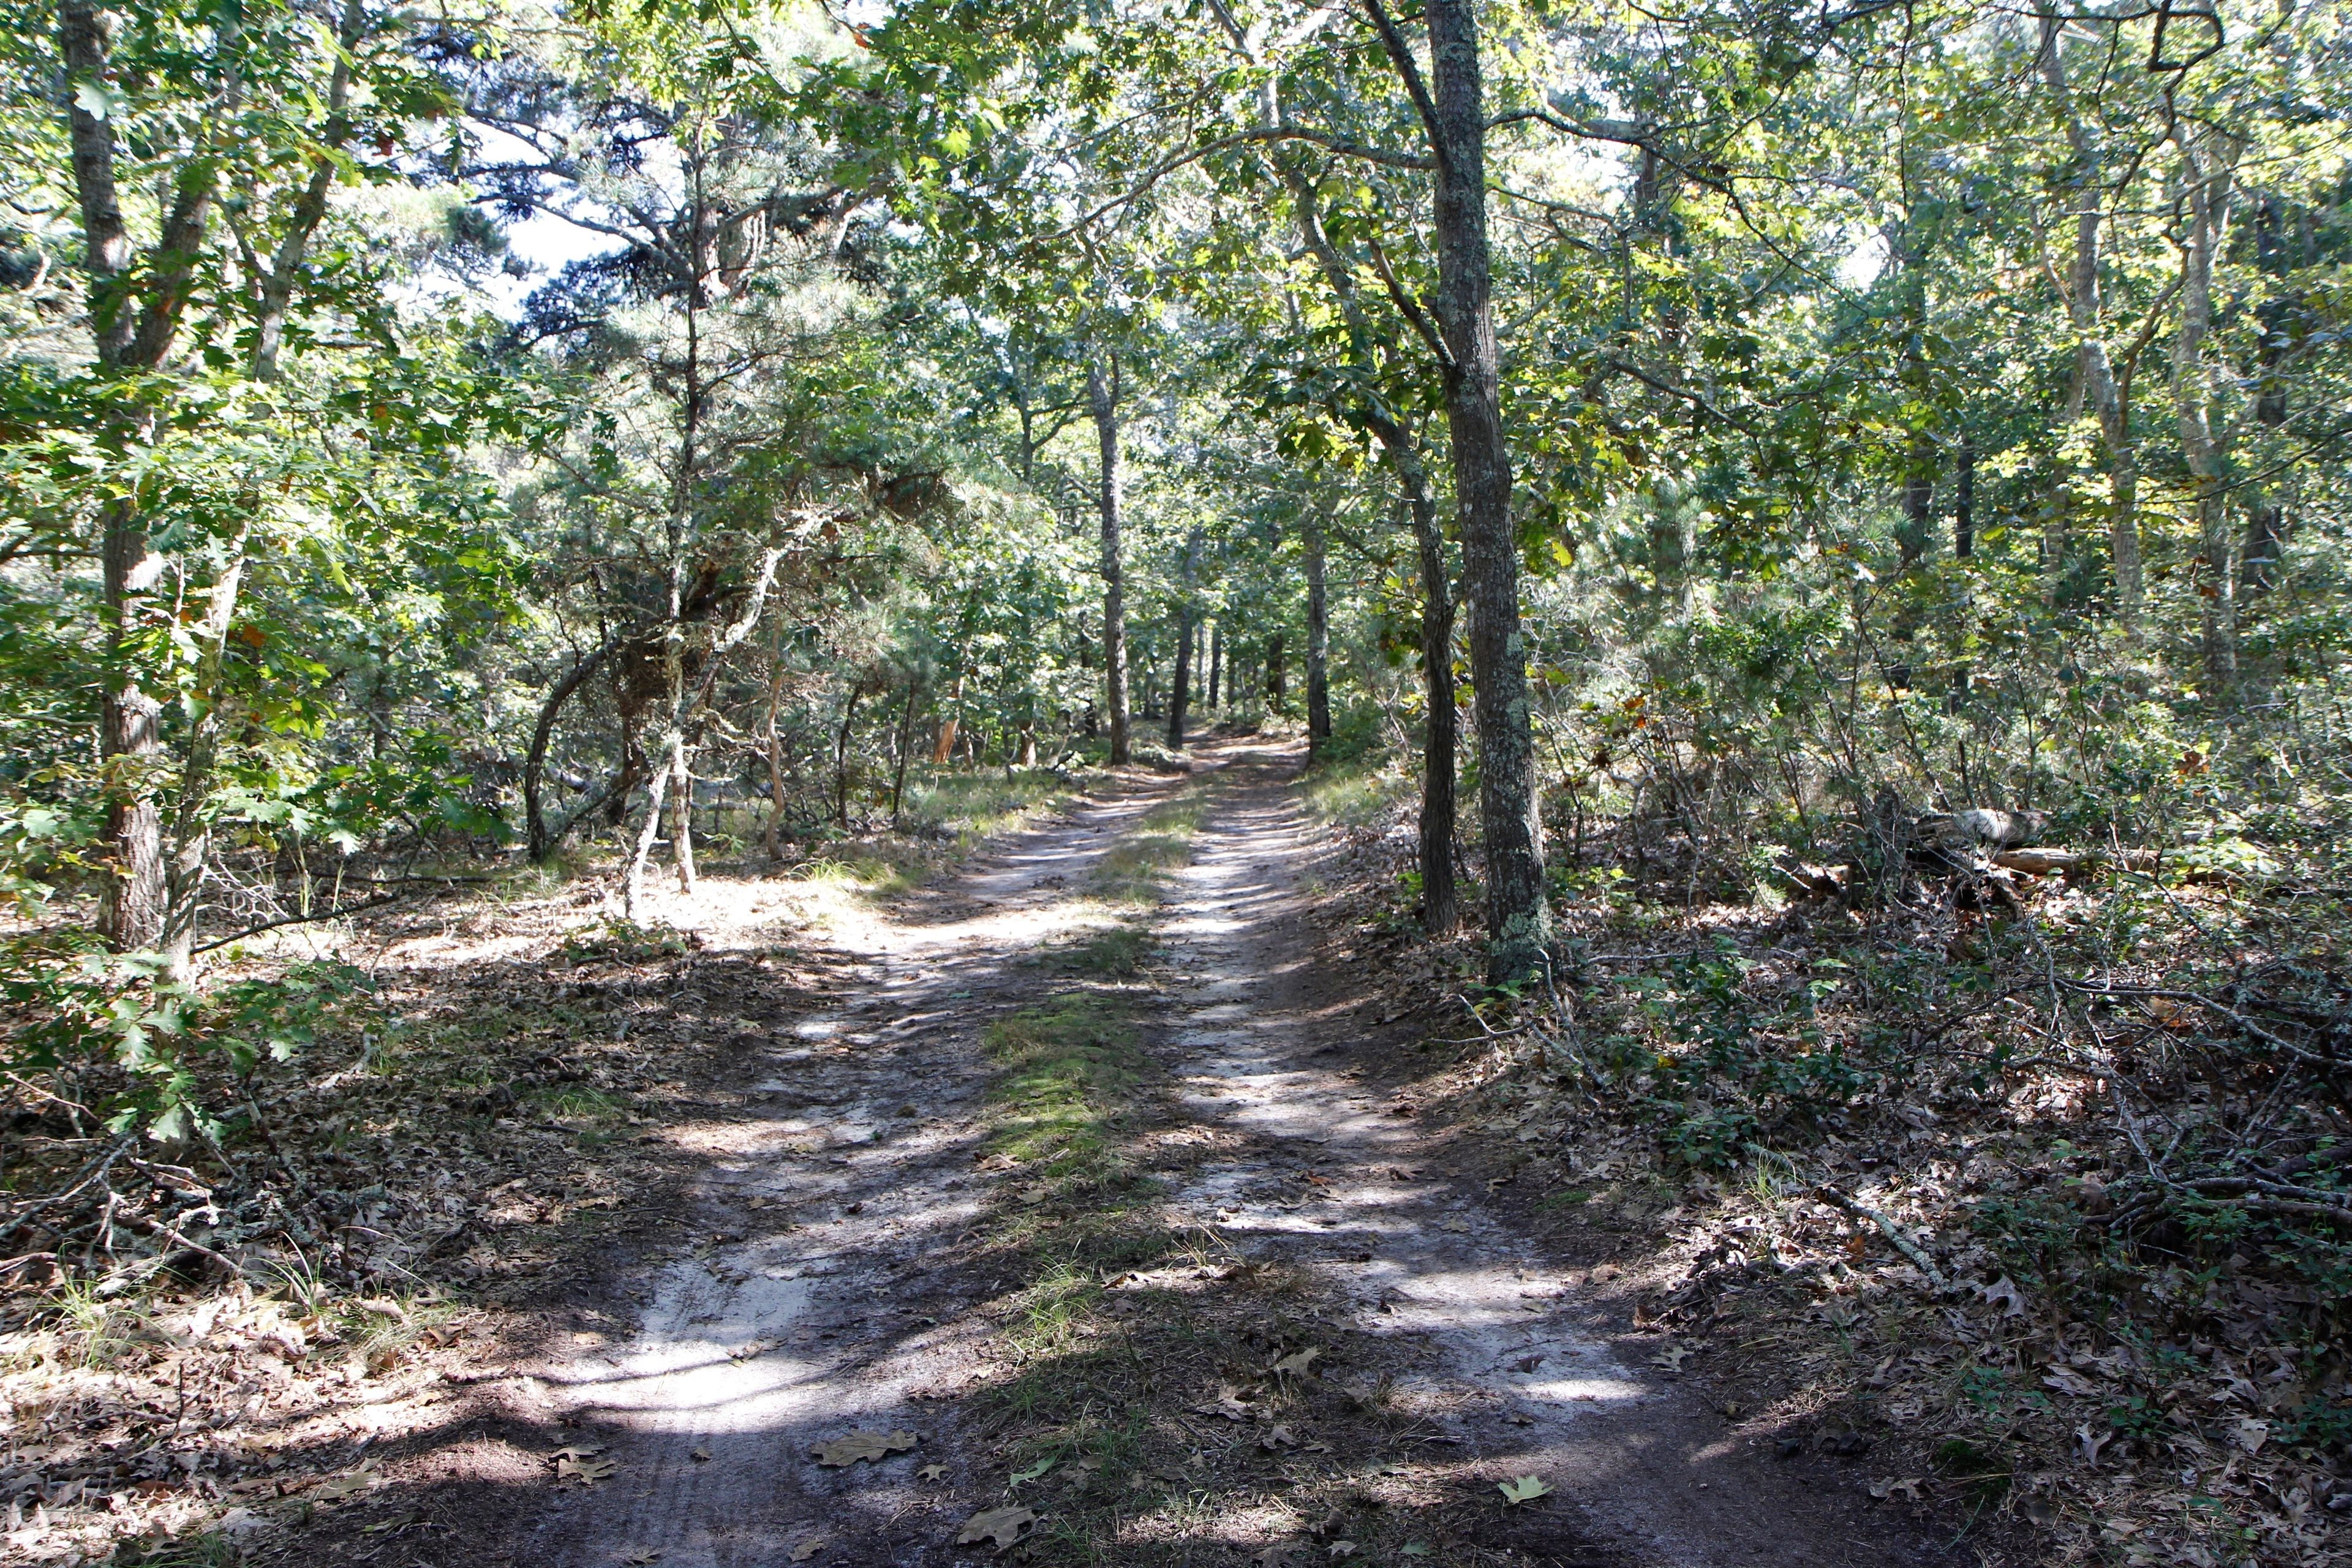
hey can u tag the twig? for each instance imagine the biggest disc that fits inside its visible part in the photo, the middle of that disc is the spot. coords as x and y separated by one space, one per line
1903 1244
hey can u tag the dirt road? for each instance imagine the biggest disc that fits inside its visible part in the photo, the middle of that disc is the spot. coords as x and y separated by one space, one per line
832 1274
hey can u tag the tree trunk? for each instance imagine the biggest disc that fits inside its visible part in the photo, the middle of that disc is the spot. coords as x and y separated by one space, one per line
841 759
1102 399
633 884
681 767
2208 165
1519 923
2265 515
2095 369
1180 687
775 833
906 745
1216 660
1319 642
1441 897
1277 685
945 748
1964 501
1918 498
540 842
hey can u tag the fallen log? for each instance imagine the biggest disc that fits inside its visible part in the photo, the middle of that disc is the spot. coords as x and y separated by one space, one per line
2073 862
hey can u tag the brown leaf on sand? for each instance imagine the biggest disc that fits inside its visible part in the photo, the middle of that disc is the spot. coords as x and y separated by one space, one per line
930 1472
639 1559
809 1546
1230 1403
1275 1437
1004 1526
1297 1363
844 1452
587 1472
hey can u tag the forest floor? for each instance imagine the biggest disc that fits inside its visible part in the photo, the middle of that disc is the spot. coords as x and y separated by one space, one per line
1136 1190
1076 1209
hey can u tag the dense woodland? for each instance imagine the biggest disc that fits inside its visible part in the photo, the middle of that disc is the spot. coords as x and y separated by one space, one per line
1690 476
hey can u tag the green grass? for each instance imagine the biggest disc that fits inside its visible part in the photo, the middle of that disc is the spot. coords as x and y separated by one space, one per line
1065 1069
1115 952
976 806
1357 792
1131 868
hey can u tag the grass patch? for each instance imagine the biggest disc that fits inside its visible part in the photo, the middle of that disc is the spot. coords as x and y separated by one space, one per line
1064 1069
976 806
1116 953
1357 792
1131 870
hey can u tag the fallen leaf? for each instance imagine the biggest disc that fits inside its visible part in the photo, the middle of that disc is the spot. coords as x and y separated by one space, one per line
1030 1472
753 1350
1275 1437
699 1455
1527 1363
2040 1510
587 1472
2004 1291
358 1481
930 1472
640 1558
1671 1357
577 1451
2090 1443
1907 1488
1298 1363
1342 1549
844 1452
1268 1557
810 1547
1004 1526
1229 1403
1525 1489
2252 1435
1413 1549
2067 1381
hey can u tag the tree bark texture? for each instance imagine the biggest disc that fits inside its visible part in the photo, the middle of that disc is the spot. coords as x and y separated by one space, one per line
1519 922
1319 642
1102 401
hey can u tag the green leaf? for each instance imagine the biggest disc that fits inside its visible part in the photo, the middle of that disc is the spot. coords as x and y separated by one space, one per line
1525 1489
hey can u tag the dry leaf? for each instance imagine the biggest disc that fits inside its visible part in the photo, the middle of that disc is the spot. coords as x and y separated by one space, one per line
753 1350
1907 1488
809 1547
699 1455
2004 1291
1004 1526
844 1452
2091 1442
1525 1489
577 1451
1229 1404
1671 1357
1030 1472
1299 1363
930 1472
1269 1557
2252 1435
2065 1380
1275 1437
638 1558
358 1481
587 1472
1340 1549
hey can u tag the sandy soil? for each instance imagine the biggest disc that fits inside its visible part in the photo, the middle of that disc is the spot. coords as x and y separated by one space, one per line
814 1279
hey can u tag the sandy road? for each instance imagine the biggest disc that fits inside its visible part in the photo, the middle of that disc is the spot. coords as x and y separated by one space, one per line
815 1286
